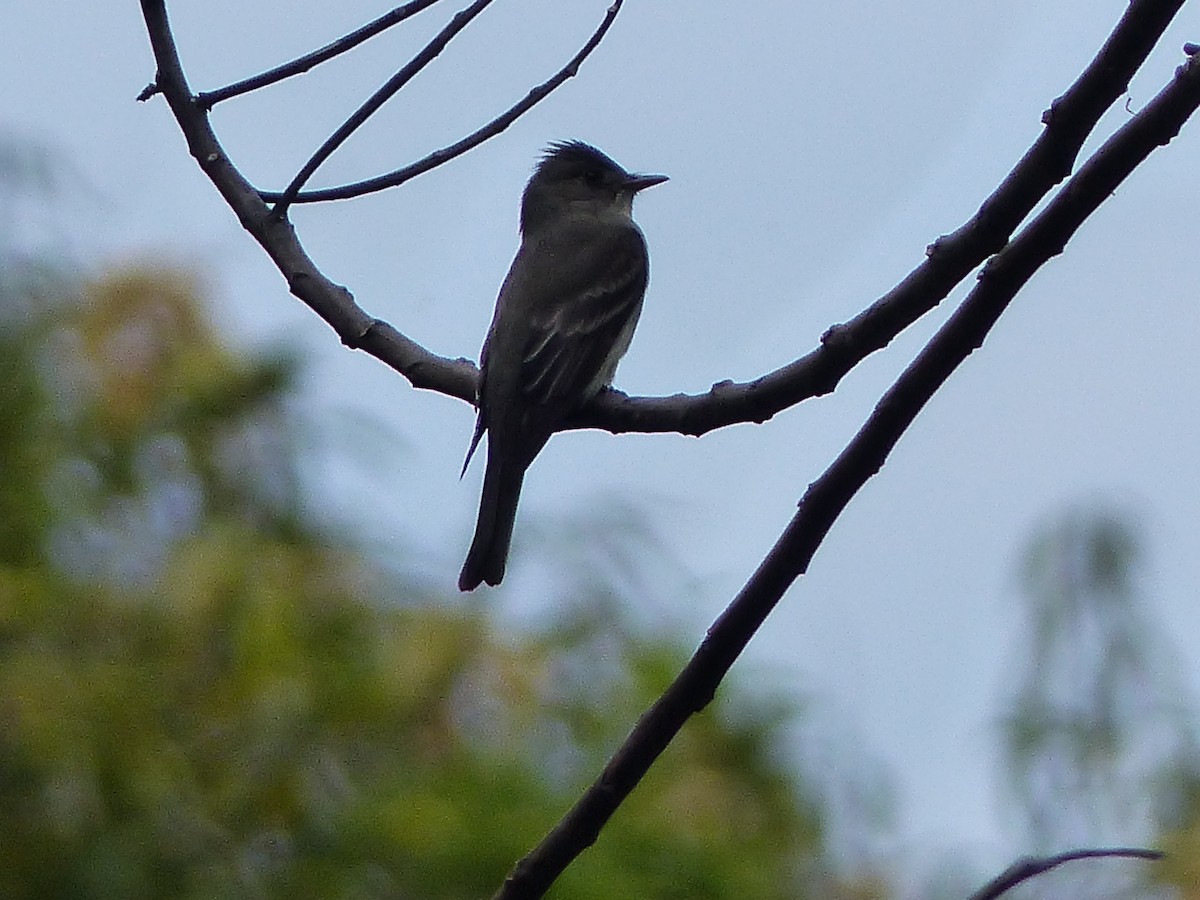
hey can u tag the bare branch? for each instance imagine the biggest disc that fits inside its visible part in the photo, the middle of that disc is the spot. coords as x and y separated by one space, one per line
208 99
1025 869
862 458
490 130
950 258
333 303
330 301
427 55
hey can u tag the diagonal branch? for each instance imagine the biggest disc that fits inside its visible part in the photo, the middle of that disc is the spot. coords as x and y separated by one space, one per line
862 458
950 258
390 88
332 302
490 130
208 99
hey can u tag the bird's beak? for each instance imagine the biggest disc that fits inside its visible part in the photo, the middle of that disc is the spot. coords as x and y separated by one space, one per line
637 183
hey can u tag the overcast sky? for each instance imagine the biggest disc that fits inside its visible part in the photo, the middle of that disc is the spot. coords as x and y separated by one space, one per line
814 151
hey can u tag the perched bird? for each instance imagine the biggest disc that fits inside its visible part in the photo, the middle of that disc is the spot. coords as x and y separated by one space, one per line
564 318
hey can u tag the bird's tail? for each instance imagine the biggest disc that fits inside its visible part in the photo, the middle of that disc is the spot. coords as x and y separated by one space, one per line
494 528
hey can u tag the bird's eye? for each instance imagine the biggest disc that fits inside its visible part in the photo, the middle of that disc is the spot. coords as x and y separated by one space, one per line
593 178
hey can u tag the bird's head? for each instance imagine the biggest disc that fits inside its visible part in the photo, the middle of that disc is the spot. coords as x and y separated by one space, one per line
575 177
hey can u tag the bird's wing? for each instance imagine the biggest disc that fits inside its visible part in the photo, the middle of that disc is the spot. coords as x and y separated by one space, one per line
590 298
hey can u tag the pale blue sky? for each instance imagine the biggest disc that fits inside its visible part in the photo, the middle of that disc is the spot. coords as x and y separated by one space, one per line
814 150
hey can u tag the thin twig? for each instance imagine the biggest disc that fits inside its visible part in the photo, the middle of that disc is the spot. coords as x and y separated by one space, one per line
490 130
862 458
1024 869
208 99
427 55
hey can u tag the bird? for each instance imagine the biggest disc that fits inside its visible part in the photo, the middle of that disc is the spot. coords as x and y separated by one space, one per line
564 317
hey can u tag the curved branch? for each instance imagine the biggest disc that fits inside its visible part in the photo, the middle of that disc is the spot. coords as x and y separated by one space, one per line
332 302
427 55
490 130
208 99
862 458
1025 869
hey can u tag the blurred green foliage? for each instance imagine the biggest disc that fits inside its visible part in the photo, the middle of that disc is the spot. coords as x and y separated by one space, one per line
203 695
1099 740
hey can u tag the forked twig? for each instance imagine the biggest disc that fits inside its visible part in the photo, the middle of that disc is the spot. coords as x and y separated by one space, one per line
427 55
535 96
332 302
